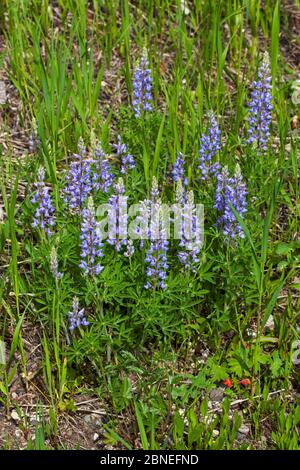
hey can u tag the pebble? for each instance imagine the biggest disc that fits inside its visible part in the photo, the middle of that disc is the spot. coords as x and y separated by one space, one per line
216 394
14 415
270 323
93 419
244 429
95 437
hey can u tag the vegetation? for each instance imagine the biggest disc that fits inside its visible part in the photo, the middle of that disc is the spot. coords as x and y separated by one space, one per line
175 348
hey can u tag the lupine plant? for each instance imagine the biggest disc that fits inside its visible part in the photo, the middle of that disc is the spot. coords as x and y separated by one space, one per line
156 256
102 178
44 217
91 241
76 316
126 159
79 179
54 264
178 172
210 144
231 192
260 109
142 86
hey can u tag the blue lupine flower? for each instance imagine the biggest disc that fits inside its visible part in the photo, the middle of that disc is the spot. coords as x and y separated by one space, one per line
156 257
210 144
142 86
261 106
178 170
117 215
103 177
76 316
127 160
79 183
44 215
91 241
230 190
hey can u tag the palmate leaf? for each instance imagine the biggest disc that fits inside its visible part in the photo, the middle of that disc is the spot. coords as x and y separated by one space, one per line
219 372
235 367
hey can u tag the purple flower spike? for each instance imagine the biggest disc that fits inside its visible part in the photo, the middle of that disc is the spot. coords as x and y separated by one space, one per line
156 257
210 144
91 241
79 184
178 170
230 190
103 176
142 87
76 316
44 215
261 107
127 160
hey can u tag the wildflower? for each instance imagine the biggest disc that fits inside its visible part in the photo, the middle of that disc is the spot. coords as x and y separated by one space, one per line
190 235
156 257
117 215
44 215
91 241
54 264
142 86
230 191
245 382
79 184
130 249
178 170
261 106
127 160
210 144
34 140
76 316
103 176
154 193
228 382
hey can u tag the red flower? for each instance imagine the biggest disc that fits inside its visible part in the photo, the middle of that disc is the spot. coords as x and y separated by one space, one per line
228 382
245 382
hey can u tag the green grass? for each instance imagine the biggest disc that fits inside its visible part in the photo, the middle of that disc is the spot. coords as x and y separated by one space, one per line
143 353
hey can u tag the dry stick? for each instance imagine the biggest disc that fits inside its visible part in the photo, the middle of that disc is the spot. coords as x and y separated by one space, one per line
243 400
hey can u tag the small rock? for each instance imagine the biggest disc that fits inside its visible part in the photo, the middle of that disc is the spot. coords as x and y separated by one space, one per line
15 415
270 323
244 429
93 419
95 437
240 436
216 394
87 419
